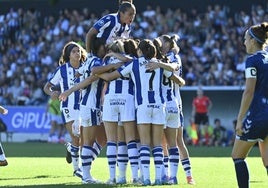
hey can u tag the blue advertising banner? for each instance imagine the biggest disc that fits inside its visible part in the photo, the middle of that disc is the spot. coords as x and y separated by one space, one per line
27 119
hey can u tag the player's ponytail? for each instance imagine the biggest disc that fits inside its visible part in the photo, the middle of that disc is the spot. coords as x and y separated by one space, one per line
147 48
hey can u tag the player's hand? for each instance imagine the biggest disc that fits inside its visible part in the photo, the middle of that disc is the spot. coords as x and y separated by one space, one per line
54 95
63 96
239 128
77 74
117 65
108 55
151 66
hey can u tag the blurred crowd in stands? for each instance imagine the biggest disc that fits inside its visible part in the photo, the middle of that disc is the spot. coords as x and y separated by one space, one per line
214 134
211 45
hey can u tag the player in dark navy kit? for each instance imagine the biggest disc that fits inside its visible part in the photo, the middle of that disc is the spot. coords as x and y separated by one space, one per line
252 119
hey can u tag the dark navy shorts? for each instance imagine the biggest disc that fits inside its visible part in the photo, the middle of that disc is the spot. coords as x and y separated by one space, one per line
254 130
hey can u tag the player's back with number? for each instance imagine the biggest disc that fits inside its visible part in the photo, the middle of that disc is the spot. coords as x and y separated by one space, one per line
148 87
147 83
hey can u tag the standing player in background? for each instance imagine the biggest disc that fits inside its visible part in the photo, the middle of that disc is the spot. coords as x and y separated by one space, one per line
252 118
3 160
201 106
57 130
71 59
112 26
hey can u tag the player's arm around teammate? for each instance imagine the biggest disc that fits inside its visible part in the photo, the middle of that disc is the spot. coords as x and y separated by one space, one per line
150 106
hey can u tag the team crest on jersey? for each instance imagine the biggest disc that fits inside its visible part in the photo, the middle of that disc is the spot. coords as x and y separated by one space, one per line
101 23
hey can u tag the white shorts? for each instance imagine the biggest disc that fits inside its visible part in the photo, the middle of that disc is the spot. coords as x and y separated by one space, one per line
118 107
69 114
151 113
172 115
89 117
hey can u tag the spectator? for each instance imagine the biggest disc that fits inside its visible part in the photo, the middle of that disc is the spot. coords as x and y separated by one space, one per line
219 134
15 92
57 130
36 97
28 33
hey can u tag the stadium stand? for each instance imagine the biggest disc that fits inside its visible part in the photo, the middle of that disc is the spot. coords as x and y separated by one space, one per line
211 45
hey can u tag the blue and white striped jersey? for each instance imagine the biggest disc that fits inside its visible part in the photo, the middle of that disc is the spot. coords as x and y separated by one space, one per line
170 89
175 58
91 96
257 67
65 76
122 85
148 84
110 28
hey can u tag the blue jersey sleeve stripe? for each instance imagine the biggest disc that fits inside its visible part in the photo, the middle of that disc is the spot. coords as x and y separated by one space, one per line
160 88
76 94
63 72
107 31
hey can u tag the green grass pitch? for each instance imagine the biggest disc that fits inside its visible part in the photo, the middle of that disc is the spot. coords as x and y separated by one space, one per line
43 165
